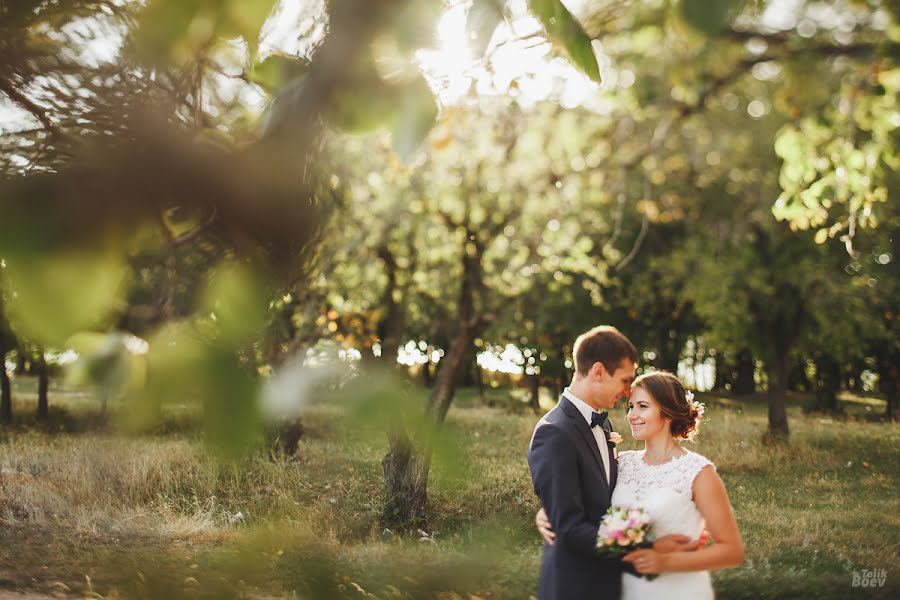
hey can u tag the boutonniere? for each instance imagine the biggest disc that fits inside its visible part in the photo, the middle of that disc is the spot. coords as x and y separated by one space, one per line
613 438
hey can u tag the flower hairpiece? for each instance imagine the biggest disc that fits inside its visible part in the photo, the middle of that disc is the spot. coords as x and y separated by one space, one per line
695 404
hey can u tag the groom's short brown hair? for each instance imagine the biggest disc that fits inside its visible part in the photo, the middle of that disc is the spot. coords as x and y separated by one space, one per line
603 344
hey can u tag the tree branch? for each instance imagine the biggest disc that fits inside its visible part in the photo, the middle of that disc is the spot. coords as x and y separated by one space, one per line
25 102
196 231
645 227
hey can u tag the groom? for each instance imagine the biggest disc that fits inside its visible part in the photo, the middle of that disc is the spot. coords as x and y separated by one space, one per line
573 468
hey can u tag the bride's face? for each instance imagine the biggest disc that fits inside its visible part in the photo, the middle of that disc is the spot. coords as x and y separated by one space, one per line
644 416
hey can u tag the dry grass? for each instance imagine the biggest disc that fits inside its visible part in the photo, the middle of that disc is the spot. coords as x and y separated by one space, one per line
146 513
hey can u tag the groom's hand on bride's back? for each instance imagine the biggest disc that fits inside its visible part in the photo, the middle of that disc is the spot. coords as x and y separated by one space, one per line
675 543
544 527
665 544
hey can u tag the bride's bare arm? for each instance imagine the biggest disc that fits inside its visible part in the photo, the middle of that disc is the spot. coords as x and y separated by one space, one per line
727 549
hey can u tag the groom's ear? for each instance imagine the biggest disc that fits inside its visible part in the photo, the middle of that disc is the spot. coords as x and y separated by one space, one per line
598 370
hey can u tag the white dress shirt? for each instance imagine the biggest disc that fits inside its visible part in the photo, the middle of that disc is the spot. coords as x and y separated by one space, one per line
585 409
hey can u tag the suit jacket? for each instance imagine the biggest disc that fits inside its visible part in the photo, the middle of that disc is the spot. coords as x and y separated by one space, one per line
569 478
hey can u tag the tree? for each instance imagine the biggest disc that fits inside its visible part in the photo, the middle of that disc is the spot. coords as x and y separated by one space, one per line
7 343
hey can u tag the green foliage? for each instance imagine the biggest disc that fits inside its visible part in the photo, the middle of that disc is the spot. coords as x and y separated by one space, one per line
708 17
836 168
183 30
417 112
276 70
60 294
566 33
237 298
162 505
405 106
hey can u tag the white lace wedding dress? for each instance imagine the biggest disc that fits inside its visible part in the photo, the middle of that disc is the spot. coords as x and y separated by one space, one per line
664 492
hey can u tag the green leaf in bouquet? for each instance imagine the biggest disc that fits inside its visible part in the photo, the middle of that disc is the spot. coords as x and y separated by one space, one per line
565 32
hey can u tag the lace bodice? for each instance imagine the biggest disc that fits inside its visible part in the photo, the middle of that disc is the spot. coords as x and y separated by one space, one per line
664 491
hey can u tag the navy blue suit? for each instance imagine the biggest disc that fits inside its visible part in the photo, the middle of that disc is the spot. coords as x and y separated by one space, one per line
569 478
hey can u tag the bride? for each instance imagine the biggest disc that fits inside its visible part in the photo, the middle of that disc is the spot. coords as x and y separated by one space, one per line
679 489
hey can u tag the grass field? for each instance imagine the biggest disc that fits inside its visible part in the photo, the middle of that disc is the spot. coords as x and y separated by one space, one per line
87 510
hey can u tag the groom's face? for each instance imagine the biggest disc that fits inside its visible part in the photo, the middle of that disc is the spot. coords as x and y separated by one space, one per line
615 385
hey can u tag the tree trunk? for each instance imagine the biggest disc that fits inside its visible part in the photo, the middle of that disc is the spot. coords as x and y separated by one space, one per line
407 462
445 385
5 392
744 383
534 399
390 326
889 384
479 379
828 380
798 381
777 370
21 367
466 376
668 347
426 374
43 410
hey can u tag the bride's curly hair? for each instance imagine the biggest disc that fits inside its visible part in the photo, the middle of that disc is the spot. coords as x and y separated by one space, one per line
675 403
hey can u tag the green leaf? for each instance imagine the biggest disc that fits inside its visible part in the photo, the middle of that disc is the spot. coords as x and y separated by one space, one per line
364 109
247 17
709 17
237 296
369 102
565 32
481 22
276 70
169 30
60 294
365 103
172 29
112 362
418 111
414 25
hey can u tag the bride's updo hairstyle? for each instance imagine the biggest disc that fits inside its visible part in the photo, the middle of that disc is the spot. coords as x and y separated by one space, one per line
675 403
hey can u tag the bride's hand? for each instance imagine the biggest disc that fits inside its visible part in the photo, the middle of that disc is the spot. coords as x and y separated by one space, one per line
544 527
646 562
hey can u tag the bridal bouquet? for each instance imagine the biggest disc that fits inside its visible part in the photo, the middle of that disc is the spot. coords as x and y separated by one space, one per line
623 530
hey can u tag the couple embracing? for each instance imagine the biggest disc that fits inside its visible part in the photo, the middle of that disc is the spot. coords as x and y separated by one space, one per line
578 475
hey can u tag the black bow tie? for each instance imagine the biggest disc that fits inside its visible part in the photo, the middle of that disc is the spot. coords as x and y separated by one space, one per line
598 419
